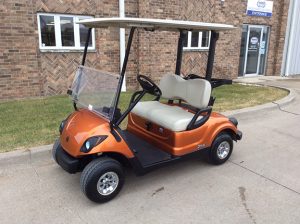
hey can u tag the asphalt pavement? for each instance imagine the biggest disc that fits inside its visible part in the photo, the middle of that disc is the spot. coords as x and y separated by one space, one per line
259 184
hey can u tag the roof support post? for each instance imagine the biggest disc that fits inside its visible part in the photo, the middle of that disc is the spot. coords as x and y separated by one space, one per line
86 46
122 38
182 35
211 55
124 65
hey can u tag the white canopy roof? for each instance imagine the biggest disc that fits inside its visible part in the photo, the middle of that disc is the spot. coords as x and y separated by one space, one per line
157 24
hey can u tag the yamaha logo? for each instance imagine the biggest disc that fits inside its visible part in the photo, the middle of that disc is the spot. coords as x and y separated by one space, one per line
261 4
201 146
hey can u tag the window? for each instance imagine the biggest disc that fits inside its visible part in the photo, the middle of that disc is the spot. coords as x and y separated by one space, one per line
61 32
197 40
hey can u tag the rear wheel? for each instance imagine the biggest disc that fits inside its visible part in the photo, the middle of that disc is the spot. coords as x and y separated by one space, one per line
102 179
221 149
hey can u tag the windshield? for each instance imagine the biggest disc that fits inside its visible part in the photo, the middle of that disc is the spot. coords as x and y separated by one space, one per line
95 90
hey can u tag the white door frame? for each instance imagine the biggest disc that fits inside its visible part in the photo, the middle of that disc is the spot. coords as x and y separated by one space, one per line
247 46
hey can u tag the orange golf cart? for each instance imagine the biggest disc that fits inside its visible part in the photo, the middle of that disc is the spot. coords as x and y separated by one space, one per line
178 122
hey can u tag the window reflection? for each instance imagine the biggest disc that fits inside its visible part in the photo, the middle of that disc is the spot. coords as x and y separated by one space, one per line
195 39
205 39
185 40
67 31
83 31
47 30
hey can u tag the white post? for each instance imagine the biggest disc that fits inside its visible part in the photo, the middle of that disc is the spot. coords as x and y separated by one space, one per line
290 37
122 41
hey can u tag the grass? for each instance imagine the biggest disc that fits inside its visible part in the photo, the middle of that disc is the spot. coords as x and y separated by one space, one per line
237 96
33 122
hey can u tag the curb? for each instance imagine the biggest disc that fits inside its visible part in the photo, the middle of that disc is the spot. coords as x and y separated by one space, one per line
268 106
42 153
26 156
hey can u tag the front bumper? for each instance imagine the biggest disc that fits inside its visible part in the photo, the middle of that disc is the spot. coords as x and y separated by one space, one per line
239 135
67 162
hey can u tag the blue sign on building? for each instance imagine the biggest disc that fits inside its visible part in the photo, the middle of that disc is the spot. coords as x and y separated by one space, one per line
260 8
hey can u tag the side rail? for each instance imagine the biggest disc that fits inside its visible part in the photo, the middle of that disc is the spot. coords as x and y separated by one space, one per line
195 123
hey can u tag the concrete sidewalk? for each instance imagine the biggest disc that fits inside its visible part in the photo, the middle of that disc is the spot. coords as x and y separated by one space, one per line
260 183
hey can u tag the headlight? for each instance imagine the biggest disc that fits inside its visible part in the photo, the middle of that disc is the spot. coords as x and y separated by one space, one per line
61 126
92 142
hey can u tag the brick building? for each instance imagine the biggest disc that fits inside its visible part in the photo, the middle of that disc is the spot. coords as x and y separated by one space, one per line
39 53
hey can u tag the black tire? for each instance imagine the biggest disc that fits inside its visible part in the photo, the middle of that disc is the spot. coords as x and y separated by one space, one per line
92 174
54 149
224 139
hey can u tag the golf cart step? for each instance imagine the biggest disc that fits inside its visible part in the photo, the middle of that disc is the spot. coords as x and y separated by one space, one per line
146 153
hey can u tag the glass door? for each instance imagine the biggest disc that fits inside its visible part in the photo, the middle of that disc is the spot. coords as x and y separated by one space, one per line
253 56
253 50
263 50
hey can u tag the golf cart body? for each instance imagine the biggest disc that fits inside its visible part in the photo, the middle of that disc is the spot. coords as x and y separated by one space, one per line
177 123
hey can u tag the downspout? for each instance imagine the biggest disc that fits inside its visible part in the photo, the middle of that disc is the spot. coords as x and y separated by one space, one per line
289 39
122 40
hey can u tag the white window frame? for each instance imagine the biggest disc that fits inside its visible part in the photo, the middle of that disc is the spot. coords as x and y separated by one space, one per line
199 48
57 28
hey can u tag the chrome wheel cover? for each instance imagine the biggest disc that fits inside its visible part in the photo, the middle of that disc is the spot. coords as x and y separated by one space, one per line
223 150
107 183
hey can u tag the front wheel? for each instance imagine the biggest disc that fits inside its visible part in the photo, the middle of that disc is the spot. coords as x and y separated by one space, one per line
221 149
54 149
102 179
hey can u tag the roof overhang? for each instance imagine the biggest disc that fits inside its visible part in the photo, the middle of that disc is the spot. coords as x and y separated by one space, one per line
153 24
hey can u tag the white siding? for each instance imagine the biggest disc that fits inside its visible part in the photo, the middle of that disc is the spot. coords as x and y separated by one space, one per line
291 61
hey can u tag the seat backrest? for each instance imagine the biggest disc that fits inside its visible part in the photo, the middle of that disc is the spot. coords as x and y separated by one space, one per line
195 92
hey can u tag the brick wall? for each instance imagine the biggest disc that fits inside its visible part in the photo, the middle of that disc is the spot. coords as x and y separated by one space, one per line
26 71
57 69
163 45
234 12
196 10
19 67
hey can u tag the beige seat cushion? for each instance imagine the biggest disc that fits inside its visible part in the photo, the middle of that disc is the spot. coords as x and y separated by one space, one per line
173 118
195 92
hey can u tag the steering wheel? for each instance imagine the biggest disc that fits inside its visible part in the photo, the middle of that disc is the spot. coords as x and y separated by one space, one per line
148 85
